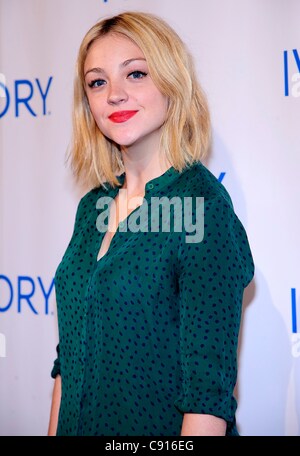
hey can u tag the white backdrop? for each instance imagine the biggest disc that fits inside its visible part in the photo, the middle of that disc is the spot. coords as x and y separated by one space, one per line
247 54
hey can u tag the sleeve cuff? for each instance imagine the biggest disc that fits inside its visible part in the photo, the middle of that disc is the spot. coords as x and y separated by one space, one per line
222 405
56 368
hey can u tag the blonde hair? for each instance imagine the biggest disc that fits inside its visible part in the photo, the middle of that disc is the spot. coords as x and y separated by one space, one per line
186 132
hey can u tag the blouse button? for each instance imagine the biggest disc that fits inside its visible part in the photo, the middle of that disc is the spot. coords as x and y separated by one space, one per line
150 186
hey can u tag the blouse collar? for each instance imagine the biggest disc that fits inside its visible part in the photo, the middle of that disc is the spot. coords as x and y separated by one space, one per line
156 184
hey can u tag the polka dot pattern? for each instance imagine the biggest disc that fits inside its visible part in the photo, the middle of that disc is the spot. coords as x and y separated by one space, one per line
150 331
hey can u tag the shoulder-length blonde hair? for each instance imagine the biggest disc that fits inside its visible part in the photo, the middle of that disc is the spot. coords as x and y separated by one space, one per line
186 132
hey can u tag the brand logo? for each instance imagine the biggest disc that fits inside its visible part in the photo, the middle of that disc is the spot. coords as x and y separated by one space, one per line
25 294
21 94
221 177
295 325
291 65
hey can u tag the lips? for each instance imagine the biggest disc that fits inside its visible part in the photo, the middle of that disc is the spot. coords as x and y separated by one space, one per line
121 116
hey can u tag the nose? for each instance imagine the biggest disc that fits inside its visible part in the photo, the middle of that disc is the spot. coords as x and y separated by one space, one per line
116 94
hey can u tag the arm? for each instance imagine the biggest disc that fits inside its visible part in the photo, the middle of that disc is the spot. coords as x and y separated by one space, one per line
55 406
212 275
200 424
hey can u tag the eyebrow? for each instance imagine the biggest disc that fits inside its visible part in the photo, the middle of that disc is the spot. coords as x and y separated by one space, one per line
123 64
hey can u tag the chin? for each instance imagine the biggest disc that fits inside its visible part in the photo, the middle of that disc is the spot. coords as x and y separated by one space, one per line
124 142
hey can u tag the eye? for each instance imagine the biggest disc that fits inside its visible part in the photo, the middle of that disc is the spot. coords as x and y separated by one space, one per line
137 75
96 83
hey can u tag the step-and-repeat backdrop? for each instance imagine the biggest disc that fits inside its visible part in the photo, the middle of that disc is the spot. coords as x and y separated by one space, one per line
247 55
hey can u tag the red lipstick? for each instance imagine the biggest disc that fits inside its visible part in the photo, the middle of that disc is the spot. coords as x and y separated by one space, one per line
121 116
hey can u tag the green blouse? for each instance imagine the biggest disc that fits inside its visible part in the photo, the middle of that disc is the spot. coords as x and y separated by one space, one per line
150 331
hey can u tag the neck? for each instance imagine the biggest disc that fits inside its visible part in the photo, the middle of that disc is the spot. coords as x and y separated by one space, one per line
142 164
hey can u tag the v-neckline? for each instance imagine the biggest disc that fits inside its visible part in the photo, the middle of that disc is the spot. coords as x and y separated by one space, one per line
152 186
121 222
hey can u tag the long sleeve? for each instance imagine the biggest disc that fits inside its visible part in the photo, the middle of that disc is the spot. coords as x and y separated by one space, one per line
79 220
212 276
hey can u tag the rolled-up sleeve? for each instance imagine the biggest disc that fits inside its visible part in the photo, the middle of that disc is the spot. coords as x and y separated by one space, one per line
56 367
212 275
56 370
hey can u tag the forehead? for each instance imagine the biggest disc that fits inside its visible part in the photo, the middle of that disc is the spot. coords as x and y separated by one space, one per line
113 46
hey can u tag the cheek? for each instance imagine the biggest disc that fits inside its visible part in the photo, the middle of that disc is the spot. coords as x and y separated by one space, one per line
161 105
97 113
161 101
94 107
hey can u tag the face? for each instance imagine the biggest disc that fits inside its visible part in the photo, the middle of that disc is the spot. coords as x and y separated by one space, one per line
125 103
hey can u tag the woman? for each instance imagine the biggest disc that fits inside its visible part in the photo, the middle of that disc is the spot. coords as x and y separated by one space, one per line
149 300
